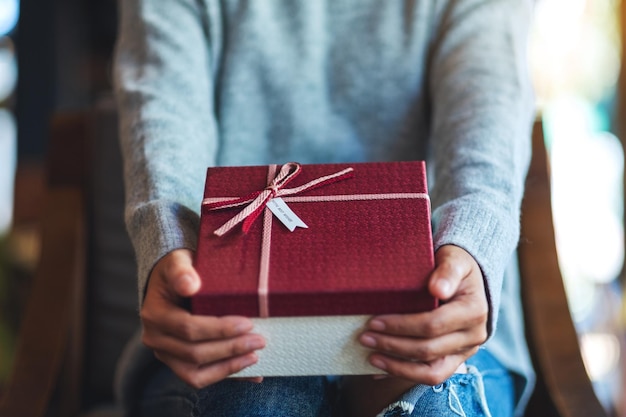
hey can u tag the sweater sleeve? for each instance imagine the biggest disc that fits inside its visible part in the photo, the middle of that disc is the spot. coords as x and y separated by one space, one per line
162 77
482 109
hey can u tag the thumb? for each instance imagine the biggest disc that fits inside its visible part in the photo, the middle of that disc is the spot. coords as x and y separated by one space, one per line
179 273
451 267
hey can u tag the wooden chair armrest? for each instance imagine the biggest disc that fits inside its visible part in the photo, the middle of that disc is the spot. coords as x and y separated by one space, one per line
49 347
550 331
45 327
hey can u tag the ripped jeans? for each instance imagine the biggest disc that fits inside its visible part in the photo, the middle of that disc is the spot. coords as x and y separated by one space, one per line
485 390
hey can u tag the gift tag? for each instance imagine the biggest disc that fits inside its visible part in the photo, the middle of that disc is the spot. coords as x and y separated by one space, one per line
285 214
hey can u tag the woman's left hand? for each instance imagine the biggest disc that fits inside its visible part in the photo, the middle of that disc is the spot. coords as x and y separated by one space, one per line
427 348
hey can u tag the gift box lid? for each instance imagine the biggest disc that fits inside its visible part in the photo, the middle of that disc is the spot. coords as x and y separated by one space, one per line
367 248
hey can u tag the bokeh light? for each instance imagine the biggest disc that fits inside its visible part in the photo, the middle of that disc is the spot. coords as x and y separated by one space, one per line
575 58
9 15
8 68
600 353
8 156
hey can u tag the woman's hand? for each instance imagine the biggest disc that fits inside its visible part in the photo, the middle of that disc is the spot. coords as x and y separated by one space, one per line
201 350
428 347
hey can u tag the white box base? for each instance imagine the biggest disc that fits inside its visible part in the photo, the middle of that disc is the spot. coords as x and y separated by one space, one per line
321 345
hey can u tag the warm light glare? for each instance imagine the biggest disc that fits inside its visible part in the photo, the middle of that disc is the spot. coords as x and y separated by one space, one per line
574 48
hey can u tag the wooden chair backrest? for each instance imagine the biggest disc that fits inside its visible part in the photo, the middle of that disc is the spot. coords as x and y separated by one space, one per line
563 386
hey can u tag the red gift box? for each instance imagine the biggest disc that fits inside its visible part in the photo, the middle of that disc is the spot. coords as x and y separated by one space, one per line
367 248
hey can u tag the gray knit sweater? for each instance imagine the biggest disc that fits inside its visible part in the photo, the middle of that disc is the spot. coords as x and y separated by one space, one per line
241 82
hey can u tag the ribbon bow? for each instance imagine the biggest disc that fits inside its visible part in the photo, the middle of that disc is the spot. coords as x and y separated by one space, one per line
257 201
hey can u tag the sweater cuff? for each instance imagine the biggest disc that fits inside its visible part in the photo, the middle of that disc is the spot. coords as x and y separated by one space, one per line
158 228
491 242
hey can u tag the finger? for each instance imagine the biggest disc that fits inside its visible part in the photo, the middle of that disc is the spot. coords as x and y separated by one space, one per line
178 274
423 350
199 354
429 373
459 315
453 264
179 323
201 376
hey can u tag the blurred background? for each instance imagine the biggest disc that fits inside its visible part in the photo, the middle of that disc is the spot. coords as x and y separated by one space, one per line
575 54
55 55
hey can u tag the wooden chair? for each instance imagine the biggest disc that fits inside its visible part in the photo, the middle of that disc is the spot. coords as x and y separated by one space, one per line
50 374
563 386
82 305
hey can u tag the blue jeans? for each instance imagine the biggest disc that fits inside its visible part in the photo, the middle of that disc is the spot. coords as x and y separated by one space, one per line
486 390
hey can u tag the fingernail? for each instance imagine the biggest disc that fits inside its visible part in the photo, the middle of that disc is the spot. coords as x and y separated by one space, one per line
378 363
444 286
249 360
243 327
255 344
189 283
377 325
368 340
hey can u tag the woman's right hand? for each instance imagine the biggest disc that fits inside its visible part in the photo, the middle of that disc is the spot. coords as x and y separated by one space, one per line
201 350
